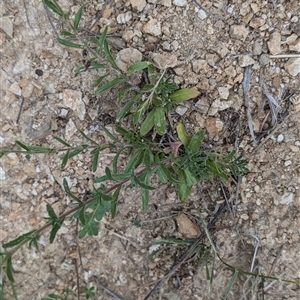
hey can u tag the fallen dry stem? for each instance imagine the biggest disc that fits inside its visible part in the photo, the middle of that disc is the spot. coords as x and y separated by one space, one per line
187 253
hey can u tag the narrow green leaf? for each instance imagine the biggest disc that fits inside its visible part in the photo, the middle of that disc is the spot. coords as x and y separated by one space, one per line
168 173
41 149
88 138
69 193
93 66
135 161
189 178
182 134
109 85
102 38
115 160
160 120
231 283
100 179
108 173
113 208
184 191
51 212
66 17
56 9
152 73
56 226
105 197
99 80
228 158
95 153
215 170
126 109
147 88
78 16
145 200
108 55
13 289
69 44
19 239
144 184
148 123
62 141
138 66
183 95
196 141
82 233
77 151
65 160
162 176
109 134
145 192
9 271
67 33
140 112
148 158
22 146
123 92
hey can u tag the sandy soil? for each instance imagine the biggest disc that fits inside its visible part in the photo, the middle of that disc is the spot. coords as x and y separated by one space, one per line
213 48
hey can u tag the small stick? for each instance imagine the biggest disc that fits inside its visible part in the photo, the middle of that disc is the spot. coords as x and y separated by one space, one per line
186 254
285 56
115 296
145 12
205 10
77 277
20 111
49 18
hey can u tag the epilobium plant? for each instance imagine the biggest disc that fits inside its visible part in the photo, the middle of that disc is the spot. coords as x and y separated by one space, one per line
181 163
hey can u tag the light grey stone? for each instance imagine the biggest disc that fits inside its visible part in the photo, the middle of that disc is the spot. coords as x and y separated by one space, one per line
73 100
126 57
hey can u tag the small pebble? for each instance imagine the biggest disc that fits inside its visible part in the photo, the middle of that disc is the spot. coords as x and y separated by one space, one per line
280 138
287 163
39 72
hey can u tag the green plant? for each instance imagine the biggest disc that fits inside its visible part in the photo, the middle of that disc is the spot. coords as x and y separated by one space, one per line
182 163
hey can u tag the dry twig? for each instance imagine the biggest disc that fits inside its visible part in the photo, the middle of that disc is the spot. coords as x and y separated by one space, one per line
246 87
187 253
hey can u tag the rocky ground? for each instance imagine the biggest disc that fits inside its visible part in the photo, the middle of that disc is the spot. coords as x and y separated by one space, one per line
244 57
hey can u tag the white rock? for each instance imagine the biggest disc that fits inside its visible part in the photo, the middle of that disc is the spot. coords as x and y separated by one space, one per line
63 113
2 174
293 66
274 43
124 18
287 198
287 163
295 46
199 66
165 60
202 106
238 31
219 105
138 4
180 2
223 92
202 14
15 88
73 100
126 57
153 27
280 138
245 60
181 110
70 130
7 26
